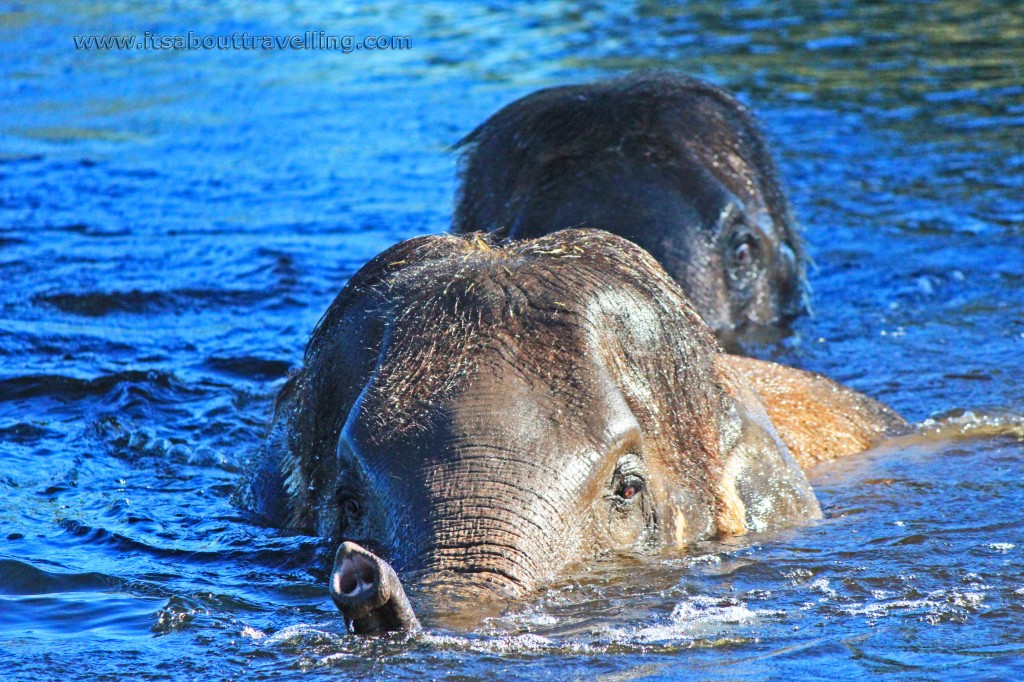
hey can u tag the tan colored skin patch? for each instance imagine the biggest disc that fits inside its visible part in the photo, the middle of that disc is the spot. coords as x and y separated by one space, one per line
680 528
731 512
816 418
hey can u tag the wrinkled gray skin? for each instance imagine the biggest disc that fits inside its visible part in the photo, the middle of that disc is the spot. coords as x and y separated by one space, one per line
488 417
674 164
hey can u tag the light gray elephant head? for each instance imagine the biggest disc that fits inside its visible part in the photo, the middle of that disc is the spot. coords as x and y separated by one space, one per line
487 417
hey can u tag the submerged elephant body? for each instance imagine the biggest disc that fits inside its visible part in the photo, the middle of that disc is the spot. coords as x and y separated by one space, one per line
485 417
674 164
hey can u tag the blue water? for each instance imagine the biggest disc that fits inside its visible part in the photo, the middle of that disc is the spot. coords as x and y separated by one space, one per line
172 225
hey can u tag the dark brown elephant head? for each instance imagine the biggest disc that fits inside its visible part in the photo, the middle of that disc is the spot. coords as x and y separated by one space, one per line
674 164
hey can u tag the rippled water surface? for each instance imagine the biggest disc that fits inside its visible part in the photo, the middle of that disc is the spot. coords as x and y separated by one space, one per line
172 224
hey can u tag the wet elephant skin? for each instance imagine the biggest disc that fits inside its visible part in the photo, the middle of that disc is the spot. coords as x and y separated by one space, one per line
672 163
487 417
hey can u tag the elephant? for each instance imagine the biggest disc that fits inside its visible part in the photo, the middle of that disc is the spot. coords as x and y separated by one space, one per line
672 163
482 417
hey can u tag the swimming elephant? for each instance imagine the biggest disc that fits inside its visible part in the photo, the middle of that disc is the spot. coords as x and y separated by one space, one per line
484 417
674 164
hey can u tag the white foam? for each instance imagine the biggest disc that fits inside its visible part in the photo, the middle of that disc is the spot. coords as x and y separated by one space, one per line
253 633
694 618
969 424
1001 546
938 605
295 632
503 645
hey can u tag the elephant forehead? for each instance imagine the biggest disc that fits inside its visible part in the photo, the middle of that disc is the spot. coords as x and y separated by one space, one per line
498 410
512 343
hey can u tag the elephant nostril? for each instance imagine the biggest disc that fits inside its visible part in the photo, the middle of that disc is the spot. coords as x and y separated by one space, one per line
356 574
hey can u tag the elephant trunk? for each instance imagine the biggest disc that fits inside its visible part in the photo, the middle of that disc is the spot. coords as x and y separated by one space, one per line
369 594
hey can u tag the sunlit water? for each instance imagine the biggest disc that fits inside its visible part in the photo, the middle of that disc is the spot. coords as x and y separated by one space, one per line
173 224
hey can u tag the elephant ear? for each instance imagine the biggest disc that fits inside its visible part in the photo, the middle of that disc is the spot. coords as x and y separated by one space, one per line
817 418
761 484
295 469
265 488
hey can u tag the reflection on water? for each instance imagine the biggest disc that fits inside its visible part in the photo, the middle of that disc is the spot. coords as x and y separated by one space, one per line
173 224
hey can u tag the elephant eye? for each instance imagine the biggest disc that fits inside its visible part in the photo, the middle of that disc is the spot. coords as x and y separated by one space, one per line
629 489
743 253
627 484
350 513
350 507
347 501
744 250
